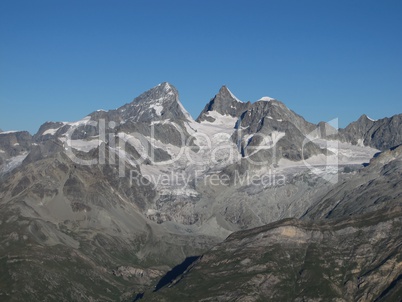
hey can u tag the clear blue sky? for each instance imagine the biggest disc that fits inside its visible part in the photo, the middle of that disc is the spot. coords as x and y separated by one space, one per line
60 60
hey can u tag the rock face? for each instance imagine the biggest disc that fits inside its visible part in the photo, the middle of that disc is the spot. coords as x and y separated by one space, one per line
374 188
14 143
14 147
224 103
101 208
269 119
351 260
381 134
274 110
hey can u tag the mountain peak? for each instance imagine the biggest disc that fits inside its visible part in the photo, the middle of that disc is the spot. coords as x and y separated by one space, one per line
159 102
166 87
161 89
364 119
223 89
161 93
225 103
225 93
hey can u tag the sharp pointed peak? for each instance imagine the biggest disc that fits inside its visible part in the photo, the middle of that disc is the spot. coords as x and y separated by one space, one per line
163 92
224 91
223 88
165 87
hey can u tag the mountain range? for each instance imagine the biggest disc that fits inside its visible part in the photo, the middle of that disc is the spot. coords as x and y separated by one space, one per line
268 206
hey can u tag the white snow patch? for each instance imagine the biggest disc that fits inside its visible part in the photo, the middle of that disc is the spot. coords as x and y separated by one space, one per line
266 99
210 135
346 152
152 211
221 121
8 132
371 119
50 131
158 108
13 163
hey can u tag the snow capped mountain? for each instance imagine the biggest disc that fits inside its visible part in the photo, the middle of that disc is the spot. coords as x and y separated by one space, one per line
157 118
159 103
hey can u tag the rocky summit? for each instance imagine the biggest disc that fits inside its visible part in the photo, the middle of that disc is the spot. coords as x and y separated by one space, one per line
249 202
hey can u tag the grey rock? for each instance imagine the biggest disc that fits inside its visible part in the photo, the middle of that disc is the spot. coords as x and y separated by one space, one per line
376 187
292 260
81 222
271 124
381 134
40 135
224 103
15 143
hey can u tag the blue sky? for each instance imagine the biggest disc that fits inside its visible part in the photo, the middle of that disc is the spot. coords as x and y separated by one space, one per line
60 60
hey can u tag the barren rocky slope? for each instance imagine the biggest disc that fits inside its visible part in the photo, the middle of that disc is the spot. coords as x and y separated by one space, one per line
292 260
347 251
